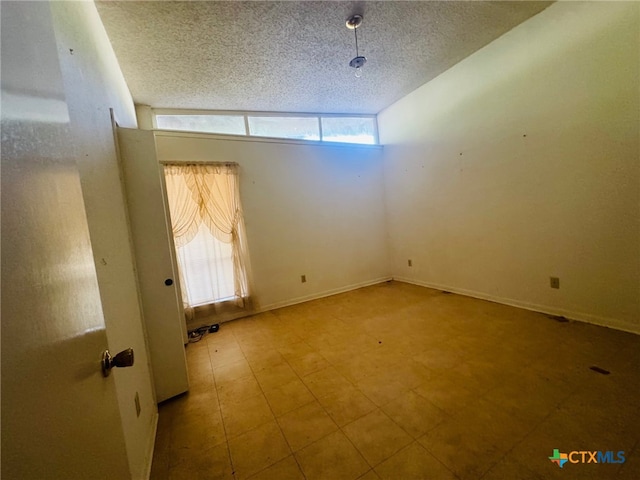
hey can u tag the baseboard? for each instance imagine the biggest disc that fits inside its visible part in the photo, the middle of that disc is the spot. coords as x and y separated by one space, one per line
323 294
578 316
220 318
152 445
286 303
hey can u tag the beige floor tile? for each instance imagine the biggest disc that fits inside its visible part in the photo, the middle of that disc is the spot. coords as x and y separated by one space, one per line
631 466
530 396
256 344
607 409
411 373
370 475
199 363
275 376
404 341
190 438
567 433
283 337
415 414
382 390
305 425
413 463
337 353
332 457
201 380
467 453
376 436
223 354
384 358
194 403
324 382
308 363
534 453
208 464
346 405
258 449
264 358
198 350
347 348
498 425
358 368
446 394
238 390
295 350
232 371
513 385
246 415
440 358
287 397
161 451
286 469
509 468
478 379
321 339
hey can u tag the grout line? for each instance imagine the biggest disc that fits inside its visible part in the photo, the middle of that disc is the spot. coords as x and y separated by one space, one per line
529 432
340 428
359 330
317 400
275 418
224 426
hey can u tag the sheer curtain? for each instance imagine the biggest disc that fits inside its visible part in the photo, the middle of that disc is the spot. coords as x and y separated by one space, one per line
208 229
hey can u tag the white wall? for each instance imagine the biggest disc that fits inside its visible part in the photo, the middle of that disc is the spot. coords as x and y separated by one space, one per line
522 162
94 83
309 210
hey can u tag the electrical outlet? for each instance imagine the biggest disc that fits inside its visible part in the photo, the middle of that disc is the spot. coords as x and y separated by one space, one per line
410 263
554 282
137 400
303 278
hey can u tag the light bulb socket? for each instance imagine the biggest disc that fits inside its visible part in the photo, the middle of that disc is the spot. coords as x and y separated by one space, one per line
358 62
354 22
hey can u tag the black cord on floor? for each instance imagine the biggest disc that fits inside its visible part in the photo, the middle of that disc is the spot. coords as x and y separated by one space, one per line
197 334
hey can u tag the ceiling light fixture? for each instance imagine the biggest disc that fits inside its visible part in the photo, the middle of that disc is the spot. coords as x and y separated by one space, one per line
358 61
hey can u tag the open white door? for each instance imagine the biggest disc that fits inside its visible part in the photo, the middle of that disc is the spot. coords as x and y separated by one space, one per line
155 265
60 416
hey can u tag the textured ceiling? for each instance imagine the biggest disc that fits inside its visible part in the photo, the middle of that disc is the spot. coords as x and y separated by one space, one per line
293 56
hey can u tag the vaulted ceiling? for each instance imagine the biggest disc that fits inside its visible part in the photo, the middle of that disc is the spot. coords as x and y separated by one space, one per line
293 56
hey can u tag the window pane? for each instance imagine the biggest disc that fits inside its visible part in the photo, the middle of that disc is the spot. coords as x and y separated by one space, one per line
207 269
301 128
349 130
229 124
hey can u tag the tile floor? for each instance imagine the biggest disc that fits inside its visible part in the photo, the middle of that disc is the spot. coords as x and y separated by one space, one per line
401 382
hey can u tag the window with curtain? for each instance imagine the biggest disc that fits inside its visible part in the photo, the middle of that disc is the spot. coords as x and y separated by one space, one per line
208 230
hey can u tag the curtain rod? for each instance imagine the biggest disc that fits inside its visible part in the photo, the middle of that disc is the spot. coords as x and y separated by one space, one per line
198 162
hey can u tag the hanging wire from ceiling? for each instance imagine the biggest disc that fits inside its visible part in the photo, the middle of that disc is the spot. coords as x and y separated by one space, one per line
358 61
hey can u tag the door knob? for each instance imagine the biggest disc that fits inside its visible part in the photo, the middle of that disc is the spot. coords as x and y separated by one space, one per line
122 359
